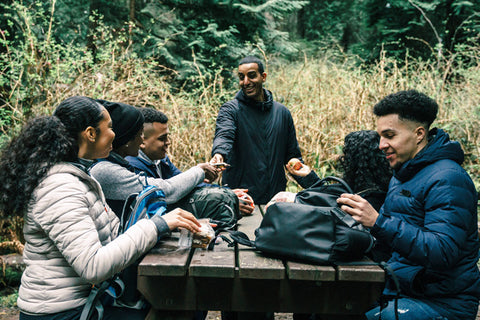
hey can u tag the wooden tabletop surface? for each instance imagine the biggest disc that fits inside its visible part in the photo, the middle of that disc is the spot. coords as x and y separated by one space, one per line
242 279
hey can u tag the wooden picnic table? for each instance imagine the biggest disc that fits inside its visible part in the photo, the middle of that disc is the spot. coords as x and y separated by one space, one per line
178 281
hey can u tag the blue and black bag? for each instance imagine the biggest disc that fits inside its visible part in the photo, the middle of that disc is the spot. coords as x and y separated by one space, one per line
121 290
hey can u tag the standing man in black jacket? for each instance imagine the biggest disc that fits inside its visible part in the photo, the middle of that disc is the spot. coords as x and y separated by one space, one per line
255 135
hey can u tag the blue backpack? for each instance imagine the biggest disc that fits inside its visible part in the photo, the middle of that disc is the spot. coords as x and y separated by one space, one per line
122 288
141 205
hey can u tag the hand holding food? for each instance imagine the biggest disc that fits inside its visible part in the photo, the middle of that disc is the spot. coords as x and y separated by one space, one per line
245 200
295 164
296 167
282 196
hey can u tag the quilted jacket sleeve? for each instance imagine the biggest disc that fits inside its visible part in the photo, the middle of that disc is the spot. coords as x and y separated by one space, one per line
62 211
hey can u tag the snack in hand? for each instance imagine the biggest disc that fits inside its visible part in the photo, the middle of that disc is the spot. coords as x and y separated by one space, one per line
295 164
202 238
244 197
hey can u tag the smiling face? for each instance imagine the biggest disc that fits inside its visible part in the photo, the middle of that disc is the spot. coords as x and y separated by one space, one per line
105 136
251 81
156 140
400 140
96 143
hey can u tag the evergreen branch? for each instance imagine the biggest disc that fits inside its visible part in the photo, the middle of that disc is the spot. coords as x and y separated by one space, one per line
431 25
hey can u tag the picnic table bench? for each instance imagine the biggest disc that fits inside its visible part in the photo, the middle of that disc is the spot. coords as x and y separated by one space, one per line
178 281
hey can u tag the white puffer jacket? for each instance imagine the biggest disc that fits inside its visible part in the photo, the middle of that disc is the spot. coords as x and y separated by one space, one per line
71 242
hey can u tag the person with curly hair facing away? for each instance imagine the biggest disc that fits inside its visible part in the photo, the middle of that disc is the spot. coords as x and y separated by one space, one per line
71 234
364 165
429 217
366 170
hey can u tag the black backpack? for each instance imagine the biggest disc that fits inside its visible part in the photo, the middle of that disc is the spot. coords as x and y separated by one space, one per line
304 232
219 204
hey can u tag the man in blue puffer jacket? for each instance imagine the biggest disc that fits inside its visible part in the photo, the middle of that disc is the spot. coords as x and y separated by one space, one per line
429 217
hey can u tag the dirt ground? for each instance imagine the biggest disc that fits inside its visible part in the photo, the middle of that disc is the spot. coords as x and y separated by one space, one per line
12 314
8 313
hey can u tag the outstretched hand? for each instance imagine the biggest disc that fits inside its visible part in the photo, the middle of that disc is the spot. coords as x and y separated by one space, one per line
179 218
218 159
359 208
211 173
246 204
302 172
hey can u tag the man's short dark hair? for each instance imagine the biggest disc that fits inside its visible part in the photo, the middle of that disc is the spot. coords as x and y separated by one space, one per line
253 59
152 115
410 105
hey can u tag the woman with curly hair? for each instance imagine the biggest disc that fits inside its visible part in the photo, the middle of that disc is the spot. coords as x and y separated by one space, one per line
363 164
365 169
70 232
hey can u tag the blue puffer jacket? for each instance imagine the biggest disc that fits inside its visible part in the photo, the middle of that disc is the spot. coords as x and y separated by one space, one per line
430 220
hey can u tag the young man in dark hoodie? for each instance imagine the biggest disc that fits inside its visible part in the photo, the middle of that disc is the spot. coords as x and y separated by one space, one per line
255 135
429 217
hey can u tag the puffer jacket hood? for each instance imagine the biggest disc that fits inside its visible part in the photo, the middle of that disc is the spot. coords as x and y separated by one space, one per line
440 147
260 105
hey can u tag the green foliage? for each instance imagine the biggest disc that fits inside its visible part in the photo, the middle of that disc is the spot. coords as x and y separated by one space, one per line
8 300
195 37
426 29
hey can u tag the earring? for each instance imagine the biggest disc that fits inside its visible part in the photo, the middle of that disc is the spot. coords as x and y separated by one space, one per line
126 145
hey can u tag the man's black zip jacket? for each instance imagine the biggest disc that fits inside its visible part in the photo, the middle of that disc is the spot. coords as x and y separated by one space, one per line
257 139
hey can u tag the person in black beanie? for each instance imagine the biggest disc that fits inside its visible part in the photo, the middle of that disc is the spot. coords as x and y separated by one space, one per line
118 178
127 122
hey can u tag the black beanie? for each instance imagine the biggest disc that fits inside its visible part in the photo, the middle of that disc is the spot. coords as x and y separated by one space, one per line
126 121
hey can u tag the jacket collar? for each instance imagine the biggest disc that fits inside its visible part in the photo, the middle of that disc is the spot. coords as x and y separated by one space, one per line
439 147
145 159
118 159
260 105
83 164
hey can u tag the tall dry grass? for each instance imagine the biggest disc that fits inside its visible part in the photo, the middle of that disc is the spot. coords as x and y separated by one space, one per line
328 98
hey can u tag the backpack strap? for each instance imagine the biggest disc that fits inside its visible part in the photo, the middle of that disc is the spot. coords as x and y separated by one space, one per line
385 266
238 237
94 303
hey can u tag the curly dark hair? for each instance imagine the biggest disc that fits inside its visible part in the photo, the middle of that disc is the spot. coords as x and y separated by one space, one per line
43 142
364 165
411 105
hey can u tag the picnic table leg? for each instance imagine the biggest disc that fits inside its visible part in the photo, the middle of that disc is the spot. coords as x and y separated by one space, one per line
155 314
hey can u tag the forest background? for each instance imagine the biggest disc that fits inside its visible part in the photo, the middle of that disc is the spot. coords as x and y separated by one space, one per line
328 61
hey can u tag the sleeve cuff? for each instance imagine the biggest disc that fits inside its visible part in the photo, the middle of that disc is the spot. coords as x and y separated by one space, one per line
307 181
162 226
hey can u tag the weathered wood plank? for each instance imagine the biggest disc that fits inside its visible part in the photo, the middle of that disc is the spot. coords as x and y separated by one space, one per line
165 259
219 262
168 293
248 224
301 271
364 273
